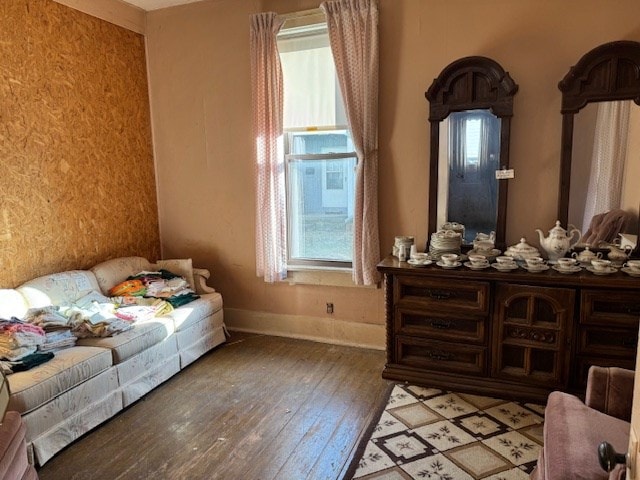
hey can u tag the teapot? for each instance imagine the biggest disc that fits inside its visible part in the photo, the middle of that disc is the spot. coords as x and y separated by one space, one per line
586 256
559 241
618 255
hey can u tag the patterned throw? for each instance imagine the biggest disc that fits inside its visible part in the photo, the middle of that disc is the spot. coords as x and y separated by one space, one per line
426 433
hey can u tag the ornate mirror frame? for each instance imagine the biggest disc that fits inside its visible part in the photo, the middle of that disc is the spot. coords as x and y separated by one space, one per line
609 72
471 83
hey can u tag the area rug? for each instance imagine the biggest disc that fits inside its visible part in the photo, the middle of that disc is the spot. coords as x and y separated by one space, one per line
426 433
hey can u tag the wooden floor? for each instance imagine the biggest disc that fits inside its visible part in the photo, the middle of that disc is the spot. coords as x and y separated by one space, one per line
258 407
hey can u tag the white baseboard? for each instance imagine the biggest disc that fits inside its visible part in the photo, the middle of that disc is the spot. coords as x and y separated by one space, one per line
319 329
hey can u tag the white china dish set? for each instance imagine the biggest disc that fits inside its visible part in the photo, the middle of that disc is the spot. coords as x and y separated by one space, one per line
445 251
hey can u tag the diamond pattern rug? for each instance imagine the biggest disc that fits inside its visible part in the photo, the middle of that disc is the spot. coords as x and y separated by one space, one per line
426 433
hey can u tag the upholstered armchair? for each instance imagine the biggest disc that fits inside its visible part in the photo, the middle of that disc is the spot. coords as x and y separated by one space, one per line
573 430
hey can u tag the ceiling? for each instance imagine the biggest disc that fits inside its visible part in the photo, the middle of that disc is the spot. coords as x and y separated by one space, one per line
157 4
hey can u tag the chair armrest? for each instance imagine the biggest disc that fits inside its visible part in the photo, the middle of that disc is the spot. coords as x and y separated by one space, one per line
200 277
610 390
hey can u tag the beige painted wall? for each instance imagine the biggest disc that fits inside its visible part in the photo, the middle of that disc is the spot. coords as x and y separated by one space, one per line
198 59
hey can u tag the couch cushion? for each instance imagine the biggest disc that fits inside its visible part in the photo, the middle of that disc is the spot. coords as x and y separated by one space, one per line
112 272
193 312
68 368
58 288
12 304
572 433
127 344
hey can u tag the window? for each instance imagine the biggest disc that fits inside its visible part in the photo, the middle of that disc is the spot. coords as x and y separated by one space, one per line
319 153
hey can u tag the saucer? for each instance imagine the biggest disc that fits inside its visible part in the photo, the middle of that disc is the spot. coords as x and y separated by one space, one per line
571 269
631 271
504 268
541 268
473 267
606 271
455 265
419 263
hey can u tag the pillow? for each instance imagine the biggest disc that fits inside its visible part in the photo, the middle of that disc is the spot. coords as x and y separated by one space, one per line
182 267
116 270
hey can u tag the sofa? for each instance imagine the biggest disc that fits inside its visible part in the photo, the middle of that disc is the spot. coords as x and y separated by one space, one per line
573 430
84 385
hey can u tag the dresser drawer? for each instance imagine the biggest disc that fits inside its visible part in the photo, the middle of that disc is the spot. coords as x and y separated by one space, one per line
441 295
441 356
582 364
608 341
613 308
440 327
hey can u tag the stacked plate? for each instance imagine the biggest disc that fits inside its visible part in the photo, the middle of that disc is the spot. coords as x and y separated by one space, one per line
445 241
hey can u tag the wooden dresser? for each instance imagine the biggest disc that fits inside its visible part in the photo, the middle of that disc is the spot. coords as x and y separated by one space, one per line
514 334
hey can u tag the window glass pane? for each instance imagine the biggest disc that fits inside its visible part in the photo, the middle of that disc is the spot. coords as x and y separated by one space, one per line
321 209
320 184
320 142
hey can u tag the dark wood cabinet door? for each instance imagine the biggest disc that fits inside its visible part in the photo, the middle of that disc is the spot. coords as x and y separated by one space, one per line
531 338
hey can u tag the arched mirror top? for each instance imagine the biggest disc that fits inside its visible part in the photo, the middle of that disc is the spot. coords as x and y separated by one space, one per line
471 83
608 73
470 110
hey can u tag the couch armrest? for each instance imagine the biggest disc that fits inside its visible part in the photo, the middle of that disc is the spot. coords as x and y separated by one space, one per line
200 277
610 390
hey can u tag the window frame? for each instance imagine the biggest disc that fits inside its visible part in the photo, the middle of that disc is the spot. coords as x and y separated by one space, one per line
304 23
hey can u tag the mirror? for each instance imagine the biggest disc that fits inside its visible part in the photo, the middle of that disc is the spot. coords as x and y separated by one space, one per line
600 160
470 110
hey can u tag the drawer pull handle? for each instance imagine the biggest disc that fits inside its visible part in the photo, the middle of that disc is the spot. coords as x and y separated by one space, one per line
438 355
630 343
440 294
441 324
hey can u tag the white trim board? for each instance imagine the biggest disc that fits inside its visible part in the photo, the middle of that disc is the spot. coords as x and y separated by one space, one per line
319 329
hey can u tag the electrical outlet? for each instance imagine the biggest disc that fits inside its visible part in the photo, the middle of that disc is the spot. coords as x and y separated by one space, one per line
329 307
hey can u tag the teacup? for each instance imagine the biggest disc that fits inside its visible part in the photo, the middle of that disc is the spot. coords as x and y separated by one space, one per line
483 246
478 260
633 265
601 264
567 263
534 262
505 261
449 258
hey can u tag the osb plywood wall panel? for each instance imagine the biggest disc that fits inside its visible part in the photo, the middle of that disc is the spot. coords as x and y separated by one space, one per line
77 177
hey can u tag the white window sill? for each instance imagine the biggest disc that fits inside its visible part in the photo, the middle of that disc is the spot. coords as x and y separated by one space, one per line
325 276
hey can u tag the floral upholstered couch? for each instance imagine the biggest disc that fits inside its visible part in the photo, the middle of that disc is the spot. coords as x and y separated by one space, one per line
84 385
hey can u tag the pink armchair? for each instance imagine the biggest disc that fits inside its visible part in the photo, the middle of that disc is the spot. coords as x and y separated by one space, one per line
573 429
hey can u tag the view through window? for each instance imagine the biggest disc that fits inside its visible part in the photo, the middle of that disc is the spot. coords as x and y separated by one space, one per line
320 156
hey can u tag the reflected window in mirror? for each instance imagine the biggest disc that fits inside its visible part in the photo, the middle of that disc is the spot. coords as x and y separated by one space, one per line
466 173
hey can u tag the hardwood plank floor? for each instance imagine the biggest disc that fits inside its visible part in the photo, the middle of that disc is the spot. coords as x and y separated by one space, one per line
258 407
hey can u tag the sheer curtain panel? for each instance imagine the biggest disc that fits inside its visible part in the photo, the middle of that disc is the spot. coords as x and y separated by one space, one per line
353 34
609 155
267 104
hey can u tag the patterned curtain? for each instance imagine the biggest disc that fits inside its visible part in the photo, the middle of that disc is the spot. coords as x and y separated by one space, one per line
609 155
353 33
267 104
457 144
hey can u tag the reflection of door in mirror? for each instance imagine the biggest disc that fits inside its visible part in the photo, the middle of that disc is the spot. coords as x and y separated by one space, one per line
605 164
470 144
